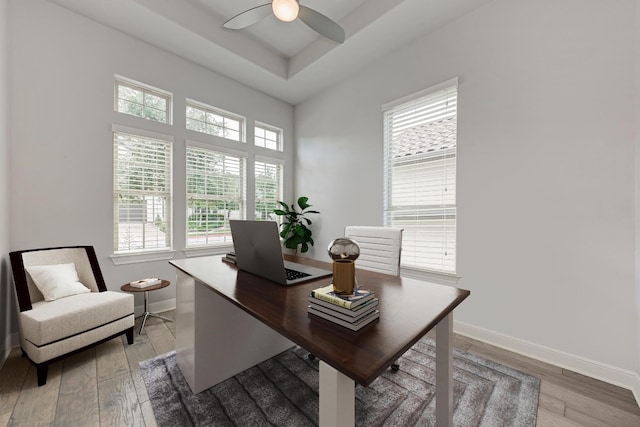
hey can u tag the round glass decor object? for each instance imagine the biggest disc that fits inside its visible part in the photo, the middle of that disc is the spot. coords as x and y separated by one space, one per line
344 248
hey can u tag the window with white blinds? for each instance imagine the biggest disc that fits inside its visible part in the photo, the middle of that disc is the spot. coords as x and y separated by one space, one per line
142 193
268 178
420 135
215 194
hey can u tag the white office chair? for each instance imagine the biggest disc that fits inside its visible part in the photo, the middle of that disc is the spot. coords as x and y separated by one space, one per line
380 248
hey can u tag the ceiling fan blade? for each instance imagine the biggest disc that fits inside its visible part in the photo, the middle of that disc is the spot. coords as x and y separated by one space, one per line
321 24
248 17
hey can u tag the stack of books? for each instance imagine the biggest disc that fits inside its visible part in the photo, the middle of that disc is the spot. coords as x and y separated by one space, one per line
230 258
351 311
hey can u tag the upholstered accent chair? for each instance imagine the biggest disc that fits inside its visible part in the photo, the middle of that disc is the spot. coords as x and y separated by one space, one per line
64 305
380 248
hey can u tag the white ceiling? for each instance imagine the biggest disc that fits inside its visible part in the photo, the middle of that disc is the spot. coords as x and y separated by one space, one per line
286 60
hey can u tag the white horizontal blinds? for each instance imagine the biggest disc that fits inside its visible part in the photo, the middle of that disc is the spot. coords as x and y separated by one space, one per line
215 194
420 178
268 178
142 193
212 121
142 101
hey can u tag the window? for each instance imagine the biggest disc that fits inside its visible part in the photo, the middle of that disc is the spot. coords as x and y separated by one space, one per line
143 101
210 120
268 137
142 193
420 136
268 188
215 194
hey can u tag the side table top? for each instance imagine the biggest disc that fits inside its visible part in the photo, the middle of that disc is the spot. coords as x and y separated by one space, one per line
128 288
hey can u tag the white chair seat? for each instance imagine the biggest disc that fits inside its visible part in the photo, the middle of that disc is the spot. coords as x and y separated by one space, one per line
48 322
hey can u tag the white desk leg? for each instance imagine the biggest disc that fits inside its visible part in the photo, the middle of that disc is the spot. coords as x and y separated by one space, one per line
444 372
337 398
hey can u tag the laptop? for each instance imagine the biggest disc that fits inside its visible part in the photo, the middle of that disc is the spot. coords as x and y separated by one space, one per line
258 251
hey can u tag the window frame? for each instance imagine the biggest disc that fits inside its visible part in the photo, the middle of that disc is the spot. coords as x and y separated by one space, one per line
210 109
280 165
266 127
217 150
146 90
425 104
121 256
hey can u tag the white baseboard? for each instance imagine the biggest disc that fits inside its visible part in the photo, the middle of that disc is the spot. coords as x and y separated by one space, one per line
157 307
611 374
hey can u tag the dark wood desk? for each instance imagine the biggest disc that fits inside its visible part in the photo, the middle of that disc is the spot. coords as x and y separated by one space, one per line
408 310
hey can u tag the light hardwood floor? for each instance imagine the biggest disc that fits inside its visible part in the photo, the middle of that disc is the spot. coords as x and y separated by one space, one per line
103 387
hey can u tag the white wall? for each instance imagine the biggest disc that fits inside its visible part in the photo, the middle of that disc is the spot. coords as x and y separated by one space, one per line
6 295
62 76
545 168
637 179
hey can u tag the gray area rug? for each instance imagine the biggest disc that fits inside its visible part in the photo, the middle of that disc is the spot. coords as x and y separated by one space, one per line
283 391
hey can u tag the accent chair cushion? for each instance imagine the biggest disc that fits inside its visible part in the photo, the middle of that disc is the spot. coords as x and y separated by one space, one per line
57 280
48 322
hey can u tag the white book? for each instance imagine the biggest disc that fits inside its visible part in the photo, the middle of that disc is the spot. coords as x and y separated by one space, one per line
145 283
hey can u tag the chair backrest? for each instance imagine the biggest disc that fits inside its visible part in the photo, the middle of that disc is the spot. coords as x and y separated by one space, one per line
380 247
84 258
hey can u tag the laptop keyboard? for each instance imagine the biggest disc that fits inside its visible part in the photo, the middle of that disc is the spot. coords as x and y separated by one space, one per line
294 274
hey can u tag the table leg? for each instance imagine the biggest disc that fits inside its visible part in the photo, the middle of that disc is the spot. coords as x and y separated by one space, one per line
444 372
337 398
148 314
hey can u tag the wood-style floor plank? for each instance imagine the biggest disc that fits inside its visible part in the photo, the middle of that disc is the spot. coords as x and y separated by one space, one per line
550 419
160 337
12 378
609 393
147 414
4 419
111 359
576 401
586 420
567 399
551 404
140 350
37 405
118 402
78 381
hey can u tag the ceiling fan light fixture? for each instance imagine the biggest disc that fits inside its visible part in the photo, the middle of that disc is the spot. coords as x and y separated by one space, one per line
285 10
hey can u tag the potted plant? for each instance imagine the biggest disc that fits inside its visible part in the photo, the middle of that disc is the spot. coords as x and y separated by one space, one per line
295 231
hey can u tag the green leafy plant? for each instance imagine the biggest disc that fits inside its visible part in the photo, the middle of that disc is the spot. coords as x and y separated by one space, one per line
295 231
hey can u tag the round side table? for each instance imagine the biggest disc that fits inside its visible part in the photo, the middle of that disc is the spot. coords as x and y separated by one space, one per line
163 284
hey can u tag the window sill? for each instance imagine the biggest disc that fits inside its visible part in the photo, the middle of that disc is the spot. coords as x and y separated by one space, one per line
121 259
212 250
430 276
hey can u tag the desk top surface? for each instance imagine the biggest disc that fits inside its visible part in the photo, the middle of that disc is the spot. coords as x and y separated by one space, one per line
409 308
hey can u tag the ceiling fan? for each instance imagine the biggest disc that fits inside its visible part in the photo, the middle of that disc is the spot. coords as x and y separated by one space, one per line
287 11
